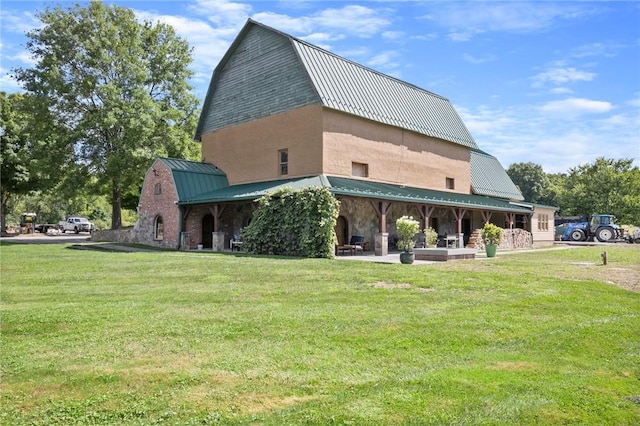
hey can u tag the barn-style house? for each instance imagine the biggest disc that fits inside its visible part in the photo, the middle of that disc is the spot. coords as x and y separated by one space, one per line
282 112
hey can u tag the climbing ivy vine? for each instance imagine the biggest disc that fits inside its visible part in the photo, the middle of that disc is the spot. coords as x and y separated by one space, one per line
294 223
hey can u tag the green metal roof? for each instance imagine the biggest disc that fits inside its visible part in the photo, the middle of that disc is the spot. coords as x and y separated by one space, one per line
252 191
384 191
349 87
311 75
488 177
192 178
356 188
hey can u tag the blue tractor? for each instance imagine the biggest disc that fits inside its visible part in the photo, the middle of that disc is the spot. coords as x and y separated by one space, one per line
600 227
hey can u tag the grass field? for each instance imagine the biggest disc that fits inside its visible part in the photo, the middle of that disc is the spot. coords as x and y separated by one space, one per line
94 337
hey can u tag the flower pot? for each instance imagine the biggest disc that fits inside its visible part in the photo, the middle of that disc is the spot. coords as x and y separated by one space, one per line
407 257
490 249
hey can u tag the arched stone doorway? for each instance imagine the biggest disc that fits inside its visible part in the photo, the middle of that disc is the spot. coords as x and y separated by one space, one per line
207 229
342 230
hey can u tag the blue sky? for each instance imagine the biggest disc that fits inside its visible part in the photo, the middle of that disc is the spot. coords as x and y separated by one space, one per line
554 83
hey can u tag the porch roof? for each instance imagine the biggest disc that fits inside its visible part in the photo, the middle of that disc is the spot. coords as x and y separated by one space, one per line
358 188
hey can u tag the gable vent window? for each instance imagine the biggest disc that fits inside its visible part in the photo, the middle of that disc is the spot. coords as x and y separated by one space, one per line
451 183
359 169
157 190
284 162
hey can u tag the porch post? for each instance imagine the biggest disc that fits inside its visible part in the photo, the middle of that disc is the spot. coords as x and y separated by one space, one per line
382 208
459 214
426 211
381 241
216 211
217 237
486 216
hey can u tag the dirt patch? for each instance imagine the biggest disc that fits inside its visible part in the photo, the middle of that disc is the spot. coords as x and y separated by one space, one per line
382 284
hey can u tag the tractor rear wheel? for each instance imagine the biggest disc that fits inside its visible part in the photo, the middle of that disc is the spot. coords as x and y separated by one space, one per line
577 235
605 234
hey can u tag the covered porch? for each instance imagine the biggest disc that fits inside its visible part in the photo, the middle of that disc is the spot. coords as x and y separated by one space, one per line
368 209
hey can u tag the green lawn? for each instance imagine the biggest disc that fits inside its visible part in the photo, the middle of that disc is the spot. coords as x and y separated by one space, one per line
91 337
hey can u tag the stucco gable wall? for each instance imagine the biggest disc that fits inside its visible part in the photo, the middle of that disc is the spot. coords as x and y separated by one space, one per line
262 76
249 152
393 155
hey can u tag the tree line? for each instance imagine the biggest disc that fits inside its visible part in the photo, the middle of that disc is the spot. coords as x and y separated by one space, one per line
108 94
606 186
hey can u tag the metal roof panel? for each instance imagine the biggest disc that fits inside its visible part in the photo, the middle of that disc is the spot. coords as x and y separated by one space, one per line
488 177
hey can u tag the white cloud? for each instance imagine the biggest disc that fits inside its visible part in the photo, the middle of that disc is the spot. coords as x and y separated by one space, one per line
467 19
320 39
383 59
561 91
393 35
222 12
574 107
561 75
285 23
8 83
478 60
525 133
19 23
595 49
353 19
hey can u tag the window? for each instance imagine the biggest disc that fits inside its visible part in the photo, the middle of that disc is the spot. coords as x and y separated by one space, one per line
157 190
283 154
543 222
359 169
159 228
451 183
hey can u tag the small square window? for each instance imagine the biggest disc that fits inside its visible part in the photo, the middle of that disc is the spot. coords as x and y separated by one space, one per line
284 162
359 169
451 183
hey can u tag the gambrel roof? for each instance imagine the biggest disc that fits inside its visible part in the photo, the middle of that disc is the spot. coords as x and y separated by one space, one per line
266 72
288 73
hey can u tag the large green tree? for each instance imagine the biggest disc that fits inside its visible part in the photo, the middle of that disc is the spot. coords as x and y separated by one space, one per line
604 186
532 181
37 162
14 162
118 87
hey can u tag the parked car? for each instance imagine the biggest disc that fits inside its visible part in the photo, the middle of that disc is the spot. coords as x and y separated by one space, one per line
77 225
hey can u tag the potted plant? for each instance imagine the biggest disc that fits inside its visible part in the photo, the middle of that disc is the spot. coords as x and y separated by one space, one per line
430 237
491 236
407 228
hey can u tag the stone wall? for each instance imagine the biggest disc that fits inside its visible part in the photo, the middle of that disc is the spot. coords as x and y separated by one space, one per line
122 235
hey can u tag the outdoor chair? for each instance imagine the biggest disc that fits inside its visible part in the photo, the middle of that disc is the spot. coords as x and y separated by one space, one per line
236 243
356 243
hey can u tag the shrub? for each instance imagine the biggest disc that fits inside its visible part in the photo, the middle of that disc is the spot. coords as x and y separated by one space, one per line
491 234
431 236
407 228
294 223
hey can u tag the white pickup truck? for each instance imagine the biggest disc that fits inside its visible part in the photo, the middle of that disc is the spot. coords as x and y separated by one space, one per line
76 224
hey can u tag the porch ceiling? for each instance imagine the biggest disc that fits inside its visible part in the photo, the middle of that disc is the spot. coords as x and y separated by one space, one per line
358 188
